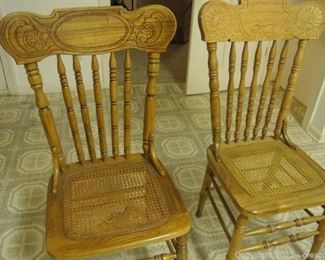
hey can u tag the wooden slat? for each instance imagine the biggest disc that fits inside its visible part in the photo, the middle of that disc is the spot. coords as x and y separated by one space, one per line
252 92
150 107
99 107
84 109
292 82
70 111
113 97
276 87
279 241
241 91
36 83
214 97
230 91
265 89
284 225
127 104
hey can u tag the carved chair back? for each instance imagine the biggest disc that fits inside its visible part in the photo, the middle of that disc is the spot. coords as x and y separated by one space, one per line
256 21
30 38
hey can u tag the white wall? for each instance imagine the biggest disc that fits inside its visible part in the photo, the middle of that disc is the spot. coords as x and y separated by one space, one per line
311 88
313 71
16 74
316 124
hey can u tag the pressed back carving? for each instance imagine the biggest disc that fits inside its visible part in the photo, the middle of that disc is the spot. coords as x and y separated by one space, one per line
29 37
258 21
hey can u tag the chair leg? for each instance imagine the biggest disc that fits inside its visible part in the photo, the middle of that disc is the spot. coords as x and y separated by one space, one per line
203 193
318 240
181 247
237 237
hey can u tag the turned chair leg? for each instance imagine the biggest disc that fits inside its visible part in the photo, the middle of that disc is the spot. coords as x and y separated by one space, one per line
203 193
318 240
237 237
181 247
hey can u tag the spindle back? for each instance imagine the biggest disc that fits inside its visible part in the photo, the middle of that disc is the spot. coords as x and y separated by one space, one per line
29 38
256 21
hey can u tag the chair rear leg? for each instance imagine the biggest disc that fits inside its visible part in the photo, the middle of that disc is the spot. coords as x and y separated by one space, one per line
181 247
318 240
203 193
237 237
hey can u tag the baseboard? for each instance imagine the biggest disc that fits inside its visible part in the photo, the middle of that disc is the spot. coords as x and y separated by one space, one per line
316 134
4 93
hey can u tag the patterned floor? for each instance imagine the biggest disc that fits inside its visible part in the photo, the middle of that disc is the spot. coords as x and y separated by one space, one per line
182 135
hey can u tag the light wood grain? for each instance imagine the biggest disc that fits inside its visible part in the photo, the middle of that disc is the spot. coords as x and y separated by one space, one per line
241 90
292 83
251 21
230 93
256 173
279 241
113 99
214 97
99 107
127 103
85 198
265 89
70 110
30 37
84 108
276 87
253 88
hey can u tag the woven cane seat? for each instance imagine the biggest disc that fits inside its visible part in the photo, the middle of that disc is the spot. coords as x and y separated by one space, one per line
267 168
112 200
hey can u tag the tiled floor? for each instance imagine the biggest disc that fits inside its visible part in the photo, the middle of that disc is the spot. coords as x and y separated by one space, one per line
182 136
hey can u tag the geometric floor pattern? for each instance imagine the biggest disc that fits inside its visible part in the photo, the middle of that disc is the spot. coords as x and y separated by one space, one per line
182 136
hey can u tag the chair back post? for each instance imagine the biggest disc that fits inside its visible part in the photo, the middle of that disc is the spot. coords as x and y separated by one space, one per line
292 83
36 83
214 97
150 102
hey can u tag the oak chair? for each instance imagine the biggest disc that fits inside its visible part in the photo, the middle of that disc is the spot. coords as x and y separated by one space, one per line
105 203
261 170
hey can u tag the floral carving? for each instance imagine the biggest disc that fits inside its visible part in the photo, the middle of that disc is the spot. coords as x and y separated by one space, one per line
263 29
309 20
148 29
259 20
217 20
30 37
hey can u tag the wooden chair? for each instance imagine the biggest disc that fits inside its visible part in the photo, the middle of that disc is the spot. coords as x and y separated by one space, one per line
111 202
262 174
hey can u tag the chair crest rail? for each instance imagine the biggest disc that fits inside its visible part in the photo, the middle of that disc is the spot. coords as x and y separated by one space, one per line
250 21
30 37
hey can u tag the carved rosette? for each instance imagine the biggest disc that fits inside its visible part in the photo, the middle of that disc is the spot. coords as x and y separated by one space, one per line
307 21
29 37
216 19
